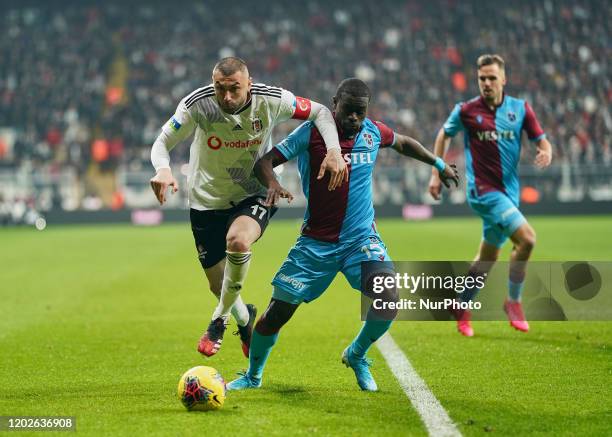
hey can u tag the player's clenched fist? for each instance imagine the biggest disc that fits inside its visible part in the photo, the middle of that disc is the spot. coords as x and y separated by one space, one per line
161 181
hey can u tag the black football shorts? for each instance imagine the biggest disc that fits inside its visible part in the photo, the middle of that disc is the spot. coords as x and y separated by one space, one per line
210 227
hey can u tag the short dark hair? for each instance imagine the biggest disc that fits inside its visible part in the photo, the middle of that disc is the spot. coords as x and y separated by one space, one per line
230 65
353 87
490 59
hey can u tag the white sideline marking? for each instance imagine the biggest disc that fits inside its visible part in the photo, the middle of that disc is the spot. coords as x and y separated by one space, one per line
433 414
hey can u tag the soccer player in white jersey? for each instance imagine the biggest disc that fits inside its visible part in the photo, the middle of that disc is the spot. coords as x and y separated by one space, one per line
233 120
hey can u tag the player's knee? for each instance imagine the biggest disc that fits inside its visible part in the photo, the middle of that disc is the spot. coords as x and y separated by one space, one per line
238 242
528 242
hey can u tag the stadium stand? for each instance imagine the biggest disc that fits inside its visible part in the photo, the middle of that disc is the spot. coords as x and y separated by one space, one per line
84 89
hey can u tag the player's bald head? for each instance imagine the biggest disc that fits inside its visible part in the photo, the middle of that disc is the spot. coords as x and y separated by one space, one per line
230 65
353 87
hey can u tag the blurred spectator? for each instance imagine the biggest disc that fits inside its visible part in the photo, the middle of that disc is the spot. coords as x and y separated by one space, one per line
418 57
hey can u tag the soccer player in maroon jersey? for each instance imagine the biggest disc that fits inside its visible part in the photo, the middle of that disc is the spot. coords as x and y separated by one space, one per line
492 124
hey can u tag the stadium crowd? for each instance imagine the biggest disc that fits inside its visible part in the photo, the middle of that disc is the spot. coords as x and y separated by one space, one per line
418 57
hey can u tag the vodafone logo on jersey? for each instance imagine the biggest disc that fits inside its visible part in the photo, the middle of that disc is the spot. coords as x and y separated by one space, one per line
214 142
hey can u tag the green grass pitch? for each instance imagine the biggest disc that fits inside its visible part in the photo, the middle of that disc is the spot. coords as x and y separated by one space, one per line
99 322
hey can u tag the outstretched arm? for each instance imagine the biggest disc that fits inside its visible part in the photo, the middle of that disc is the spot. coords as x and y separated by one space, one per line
333 161
305 109
410 147
264 172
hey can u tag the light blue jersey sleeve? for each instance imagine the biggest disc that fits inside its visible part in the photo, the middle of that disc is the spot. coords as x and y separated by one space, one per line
453 123
297 141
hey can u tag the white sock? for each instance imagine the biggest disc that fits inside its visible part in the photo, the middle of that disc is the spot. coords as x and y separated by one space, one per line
236 268
240 312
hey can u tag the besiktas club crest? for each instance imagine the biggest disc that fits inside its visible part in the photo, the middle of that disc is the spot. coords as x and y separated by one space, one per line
257 125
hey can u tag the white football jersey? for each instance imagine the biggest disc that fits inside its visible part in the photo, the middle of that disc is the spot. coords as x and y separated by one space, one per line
226 146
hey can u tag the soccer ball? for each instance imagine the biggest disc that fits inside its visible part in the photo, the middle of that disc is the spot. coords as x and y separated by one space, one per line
202 388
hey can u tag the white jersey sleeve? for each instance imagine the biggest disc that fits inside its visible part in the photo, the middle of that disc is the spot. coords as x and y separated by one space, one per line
180 126
299 108
286 107
226 146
